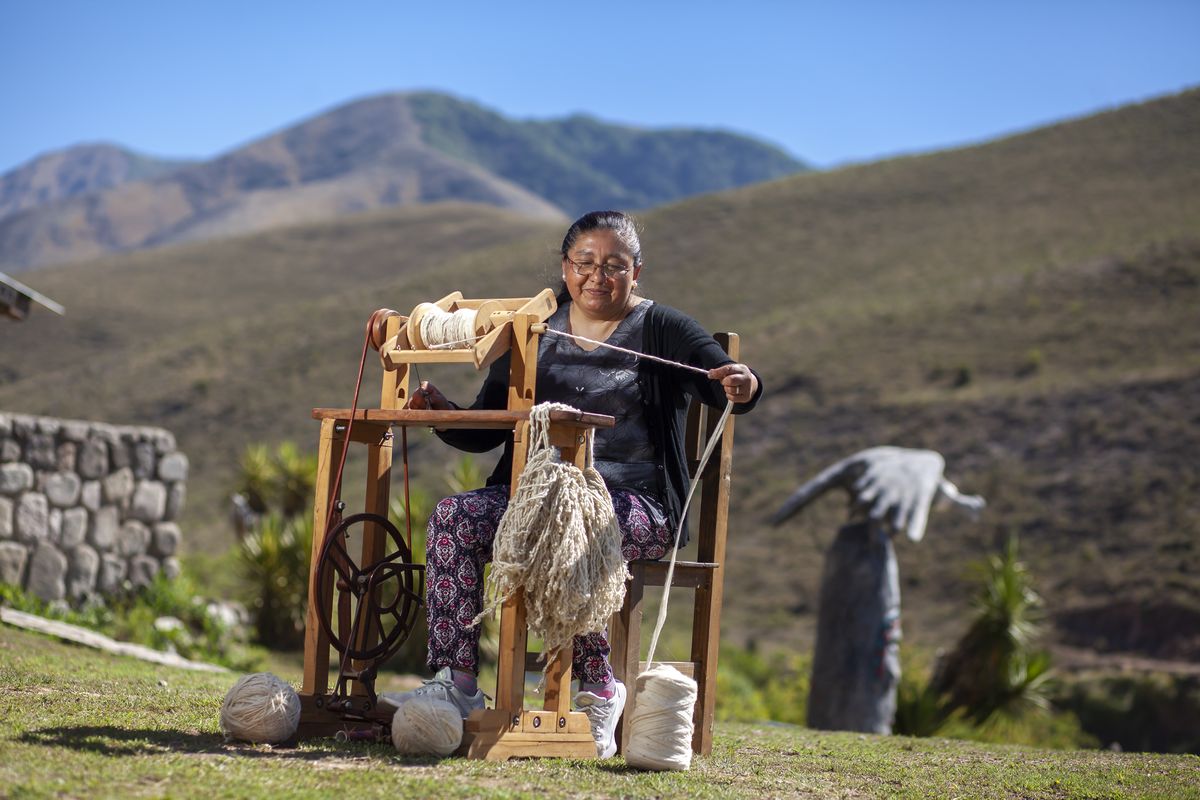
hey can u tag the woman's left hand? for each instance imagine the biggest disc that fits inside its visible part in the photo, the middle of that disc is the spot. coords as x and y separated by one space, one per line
737 380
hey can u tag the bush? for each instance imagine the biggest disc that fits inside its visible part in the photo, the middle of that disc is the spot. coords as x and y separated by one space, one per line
994 666
1152 711
167 615
274 557
753 688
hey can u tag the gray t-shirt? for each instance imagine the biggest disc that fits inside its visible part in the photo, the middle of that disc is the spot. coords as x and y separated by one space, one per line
604 381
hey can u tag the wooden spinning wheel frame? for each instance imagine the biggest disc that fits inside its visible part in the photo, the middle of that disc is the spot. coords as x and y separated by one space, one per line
352 592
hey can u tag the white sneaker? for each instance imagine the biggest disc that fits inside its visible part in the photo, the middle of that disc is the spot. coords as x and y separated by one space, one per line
603 714
440 687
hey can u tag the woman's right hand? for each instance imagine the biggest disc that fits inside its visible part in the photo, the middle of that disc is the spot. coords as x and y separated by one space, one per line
428 396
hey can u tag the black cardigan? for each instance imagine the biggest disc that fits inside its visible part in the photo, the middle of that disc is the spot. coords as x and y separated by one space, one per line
666 393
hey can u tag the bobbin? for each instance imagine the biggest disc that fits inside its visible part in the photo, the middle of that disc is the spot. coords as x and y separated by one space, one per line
492 327
488 315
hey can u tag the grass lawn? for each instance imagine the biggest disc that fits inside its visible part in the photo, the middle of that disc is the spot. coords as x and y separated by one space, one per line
79 723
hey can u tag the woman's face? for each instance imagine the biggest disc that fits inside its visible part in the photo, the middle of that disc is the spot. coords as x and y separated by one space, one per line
598 295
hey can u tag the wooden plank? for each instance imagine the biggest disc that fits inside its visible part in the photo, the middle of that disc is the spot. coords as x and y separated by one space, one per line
706 617
456 356
374 539
510 672
492 346
462 418
497 735
558 685
627 645
316 644
394 389
366 432
689 574
514 635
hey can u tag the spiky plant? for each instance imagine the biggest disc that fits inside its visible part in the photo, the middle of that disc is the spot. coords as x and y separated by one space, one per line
994 667
274 557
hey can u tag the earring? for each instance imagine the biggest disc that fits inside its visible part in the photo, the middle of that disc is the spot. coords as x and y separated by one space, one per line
635 284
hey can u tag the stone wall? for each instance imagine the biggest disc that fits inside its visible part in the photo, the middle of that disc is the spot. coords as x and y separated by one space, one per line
86 507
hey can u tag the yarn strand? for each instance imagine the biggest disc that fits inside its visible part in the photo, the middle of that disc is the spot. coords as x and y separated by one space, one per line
708 451
628 352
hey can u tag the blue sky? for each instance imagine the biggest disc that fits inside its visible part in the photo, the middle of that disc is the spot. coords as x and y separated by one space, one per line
829 82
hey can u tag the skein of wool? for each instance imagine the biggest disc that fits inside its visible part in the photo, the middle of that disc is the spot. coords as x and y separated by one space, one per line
559 541
661 729
261 708
426 725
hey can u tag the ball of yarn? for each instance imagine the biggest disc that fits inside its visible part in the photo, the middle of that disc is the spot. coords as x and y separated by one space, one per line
660 734
425 725
261 708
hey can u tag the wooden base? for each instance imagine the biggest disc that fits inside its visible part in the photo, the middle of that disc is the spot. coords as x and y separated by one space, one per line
496 735
317 721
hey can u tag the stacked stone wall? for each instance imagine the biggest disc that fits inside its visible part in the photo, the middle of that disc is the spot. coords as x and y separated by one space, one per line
87 508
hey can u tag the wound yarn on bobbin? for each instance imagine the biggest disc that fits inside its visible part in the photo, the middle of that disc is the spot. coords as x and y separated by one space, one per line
661 729
660 733
261 708
442 330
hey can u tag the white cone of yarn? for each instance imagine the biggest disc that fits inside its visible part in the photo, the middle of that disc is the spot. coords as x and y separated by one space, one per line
660 734
427 726
261 708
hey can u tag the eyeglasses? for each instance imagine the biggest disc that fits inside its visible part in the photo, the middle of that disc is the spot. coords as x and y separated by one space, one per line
584 269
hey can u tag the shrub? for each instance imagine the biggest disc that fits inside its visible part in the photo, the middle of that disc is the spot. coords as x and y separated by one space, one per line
274 558
752 687
994 666
166 615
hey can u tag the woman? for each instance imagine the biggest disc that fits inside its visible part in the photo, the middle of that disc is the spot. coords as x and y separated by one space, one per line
641 458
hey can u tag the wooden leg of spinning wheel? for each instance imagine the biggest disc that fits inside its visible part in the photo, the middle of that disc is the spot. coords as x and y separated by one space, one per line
314 719
316 644
379 476
510 667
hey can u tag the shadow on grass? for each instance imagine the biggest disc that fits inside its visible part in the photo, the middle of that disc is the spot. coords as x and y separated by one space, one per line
112 741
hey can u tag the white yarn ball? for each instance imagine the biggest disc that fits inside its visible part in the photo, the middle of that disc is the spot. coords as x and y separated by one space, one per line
261 708
660 733
425 725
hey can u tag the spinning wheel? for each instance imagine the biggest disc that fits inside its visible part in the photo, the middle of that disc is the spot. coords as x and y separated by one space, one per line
363 608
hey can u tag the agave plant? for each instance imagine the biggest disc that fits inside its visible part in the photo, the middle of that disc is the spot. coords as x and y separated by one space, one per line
274 557
994 666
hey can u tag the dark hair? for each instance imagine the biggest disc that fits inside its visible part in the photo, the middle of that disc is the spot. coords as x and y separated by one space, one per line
618 222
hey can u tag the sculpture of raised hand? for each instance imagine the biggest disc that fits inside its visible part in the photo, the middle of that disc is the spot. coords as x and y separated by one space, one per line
890 486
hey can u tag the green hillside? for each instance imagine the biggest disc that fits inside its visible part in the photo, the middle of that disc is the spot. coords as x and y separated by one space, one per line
581 163
1027 307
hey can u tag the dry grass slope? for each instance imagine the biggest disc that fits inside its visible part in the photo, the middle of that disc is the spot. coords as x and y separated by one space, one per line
1026 306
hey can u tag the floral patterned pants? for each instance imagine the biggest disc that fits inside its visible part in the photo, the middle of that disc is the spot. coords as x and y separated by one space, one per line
459 544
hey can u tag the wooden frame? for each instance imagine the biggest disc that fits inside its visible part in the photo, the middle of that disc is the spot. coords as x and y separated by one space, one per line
509 729
706 576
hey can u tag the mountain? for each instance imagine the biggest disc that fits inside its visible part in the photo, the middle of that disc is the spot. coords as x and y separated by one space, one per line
1026 306
580 163
390 150
75 171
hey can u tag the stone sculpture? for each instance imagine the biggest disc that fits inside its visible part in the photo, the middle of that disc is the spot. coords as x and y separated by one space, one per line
856 663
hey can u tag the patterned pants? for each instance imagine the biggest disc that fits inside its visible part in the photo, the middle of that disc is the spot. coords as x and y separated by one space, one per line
461 530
